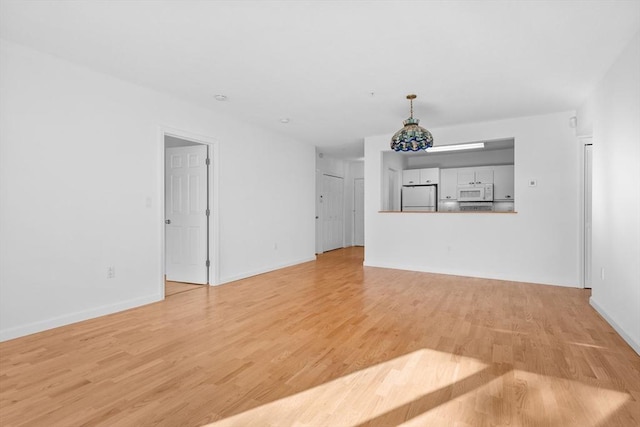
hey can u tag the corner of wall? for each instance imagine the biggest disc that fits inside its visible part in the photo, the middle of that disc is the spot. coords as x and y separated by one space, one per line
633 343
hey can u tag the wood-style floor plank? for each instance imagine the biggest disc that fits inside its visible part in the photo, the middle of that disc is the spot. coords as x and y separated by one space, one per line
331 343
172 288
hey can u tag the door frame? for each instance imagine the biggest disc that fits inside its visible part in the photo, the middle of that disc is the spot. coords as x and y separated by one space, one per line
353 240
213 185
583 141
319 214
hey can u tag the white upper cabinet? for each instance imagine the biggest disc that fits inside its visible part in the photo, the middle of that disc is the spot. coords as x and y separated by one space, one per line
448 184
484 176
503 184
411 177
477 175
466 176
420 176
429 176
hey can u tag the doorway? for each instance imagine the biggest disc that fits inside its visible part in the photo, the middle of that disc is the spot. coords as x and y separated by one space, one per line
189 221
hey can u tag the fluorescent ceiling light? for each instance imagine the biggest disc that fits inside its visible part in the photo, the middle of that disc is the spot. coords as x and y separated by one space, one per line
455 147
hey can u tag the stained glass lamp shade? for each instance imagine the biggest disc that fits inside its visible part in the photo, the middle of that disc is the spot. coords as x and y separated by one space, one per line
411 137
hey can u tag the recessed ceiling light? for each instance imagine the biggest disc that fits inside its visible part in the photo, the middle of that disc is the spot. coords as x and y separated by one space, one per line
220 97
284 120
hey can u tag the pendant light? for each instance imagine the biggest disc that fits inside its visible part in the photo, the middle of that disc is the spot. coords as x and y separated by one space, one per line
411 137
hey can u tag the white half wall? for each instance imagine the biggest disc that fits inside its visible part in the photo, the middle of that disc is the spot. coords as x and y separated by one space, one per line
537 244
81 189
615 110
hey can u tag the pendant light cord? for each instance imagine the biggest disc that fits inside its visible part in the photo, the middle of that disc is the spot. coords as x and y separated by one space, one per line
411 97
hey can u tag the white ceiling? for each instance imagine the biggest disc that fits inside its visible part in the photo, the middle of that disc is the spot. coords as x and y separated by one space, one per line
340 70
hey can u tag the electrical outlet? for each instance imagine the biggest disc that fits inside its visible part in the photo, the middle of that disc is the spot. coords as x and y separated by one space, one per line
111 272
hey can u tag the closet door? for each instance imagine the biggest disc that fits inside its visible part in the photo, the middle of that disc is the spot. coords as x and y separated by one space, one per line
333 212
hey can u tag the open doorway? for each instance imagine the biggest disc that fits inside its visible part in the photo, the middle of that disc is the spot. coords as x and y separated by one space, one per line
187 254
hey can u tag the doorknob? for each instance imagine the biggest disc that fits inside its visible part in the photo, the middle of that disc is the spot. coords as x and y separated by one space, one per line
167 221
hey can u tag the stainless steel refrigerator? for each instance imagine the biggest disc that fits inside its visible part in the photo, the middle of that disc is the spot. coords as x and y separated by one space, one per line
419 198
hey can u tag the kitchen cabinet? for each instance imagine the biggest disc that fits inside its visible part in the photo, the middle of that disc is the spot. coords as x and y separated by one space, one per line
503 184
484 176
411 177
448 184
429 176
478 175
420 176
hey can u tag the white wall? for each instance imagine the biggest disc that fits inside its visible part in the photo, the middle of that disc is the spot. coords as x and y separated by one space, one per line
538 244
613 112
80 155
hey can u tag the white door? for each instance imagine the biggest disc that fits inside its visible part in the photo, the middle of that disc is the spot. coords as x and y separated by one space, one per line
186 214
358 211
333 212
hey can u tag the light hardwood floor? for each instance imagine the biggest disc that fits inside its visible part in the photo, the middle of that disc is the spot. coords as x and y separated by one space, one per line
330 343
172 288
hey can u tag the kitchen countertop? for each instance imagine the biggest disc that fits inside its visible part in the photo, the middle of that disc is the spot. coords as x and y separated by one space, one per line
448 212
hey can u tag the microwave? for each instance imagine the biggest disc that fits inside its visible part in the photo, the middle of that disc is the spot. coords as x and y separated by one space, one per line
475 193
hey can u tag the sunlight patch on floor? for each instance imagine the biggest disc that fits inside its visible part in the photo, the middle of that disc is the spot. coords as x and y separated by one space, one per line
429 387
581 344
526 398
365 394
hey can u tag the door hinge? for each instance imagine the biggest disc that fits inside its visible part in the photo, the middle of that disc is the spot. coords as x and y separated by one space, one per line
208 263
207 212
208 161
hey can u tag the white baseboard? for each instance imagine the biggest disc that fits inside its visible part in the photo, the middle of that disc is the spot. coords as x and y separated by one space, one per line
67 319
262 271
632 343
478 274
